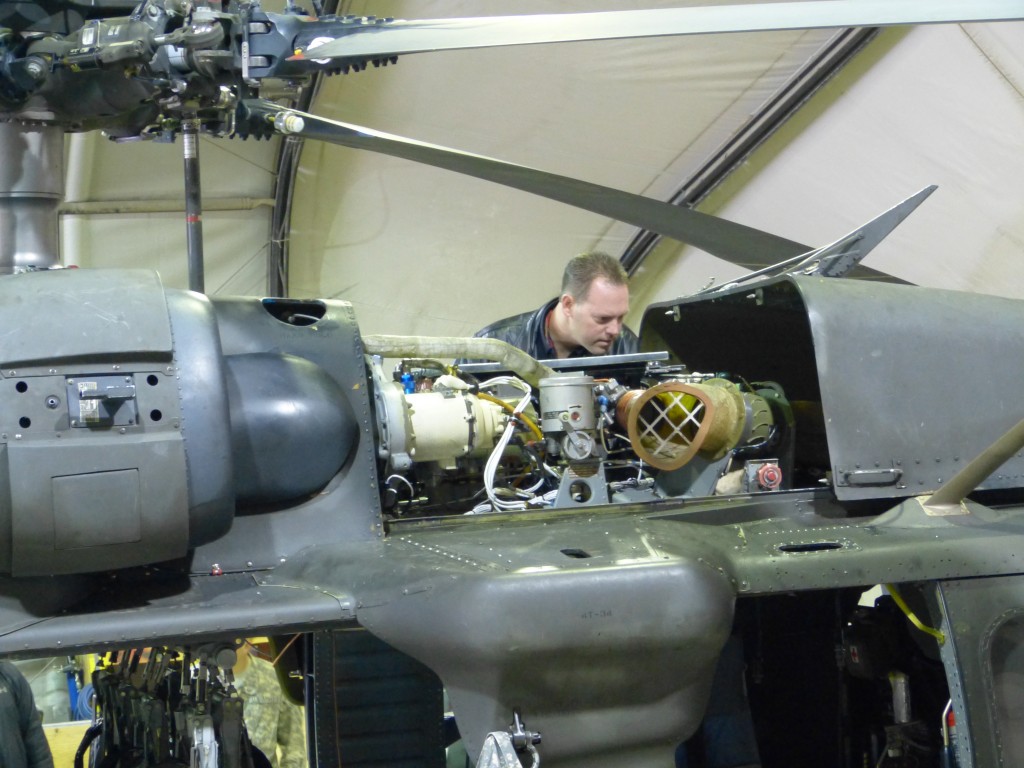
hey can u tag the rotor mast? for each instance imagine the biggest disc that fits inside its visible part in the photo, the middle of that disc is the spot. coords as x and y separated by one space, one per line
31 189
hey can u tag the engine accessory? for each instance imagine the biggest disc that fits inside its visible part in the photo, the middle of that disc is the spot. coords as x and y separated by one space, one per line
567 411
441 425
672 421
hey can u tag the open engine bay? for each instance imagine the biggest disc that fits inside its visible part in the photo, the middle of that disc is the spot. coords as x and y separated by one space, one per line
474 439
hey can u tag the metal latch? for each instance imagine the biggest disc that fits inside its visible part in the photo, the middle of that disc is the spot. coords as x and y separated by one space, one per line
102 401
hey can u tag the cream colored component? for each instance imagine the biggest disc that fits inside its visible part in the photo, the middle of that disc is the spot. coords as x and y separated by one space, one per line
671 422
446 425
441 425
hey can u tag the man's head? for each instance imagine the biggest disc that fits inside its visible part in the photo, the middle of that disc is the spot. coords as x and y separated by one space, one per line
594 302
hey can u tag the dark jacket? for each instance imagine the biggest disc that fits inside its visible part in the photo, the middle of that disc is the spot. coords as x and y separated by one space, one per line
22 741
527 332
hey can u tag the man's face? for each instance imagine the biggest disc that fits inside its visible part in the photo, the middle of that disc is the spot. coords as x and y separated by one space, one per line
596 321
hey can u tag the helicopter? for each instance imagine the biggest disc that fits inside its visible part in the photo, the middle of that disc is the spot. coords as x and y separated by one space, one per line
184 470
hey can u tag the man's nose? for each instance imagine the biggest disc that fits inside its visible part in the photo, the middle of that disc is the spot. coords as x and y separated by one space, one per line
615 326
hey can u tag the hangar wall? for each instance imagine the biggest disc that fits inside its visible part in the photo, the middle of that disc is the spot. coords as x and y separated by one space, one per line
419 250
931 105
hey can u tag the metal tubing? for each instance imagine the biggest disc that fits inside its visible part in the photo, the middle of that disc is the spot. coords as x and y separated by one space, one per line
193 204
141 207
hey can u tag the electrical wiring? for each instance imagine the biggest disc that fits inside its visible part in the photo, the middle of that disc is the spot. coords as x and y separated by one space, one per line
412 491
544 500
491 467
545 469
516 414
912 617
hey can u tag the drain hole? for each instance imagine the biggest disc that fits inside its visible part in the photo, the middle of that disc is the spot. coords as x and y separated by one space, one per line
580 554
817 546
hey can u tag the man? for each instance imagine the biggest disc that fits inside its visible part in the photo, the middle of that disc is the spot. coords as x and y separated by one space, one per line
587 319
22 741
276 726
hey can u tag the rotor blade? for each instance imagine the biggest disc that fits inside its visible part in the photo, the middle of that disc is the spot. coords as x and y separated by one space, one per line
842 257
395 37
745 246
838 258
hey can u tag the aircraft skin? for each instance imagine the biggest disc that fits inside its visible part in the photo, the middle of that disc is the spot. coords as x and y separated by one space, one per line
183 470
601 624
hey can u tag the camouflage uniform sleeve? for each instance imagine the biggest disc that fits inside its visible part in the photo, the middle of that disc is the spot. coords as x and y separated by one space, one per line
291 734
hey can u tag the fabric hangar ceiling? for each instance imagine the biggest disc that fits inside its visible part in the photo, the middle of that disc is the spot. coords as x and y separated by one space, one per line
804 133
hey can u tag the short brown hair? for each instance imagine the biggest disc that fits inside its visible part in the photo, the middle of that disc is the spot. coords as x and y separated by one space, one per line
583 270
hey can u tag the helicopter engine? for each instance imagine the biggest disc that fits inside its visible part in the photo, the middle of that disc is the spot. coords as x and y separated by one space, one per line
454 443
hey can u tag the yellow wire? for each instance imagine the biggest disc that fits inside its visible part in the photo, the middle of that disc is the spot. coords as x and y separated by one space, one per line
520 415
891 588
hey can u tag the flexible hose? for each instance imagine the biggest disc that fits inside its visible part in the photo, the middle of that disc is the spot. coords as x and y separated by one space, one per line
88 738
512 358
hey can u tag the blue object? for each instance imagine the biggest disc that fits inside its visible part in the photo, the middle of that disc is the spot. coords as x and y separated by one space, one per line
83 708
408 384
72 681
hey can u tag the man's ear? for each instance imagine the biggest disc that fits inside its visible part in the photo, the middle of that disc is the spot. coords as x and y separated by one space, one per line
566 303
